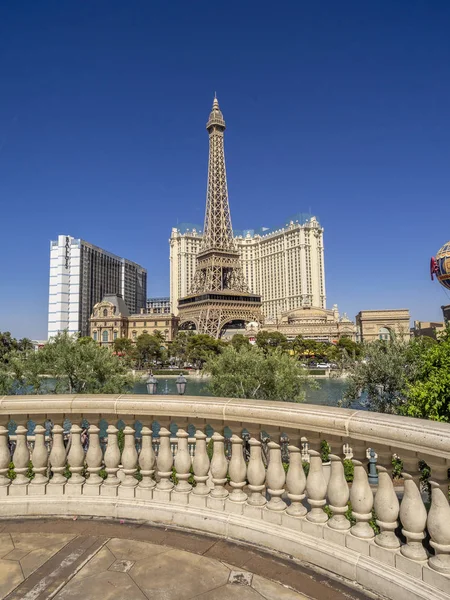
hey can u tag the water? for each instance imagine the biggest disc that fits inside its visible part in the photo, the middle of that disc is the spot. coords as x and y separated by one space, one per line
328 394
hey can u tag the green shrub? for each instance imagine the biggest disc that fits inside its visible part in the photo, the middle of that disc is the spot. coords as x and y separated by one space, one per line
397 467
306 467
325 450
349 469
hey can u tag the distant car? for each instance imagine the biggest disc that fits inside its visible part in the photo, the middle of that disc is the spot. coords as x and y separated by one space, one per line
323 365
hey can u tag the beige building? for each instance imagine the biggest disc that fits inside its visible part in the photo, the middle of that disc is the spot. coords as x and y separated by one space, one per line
285 266
111 320
382 324
427 328
313 323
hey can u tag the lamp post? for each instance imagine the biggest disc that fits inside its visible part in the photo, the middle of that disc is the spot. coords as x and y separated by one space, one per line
181 384
152 384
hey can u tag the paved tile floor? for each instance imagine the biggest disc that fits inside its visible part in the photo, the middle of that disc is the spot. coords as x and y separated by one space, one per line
85 560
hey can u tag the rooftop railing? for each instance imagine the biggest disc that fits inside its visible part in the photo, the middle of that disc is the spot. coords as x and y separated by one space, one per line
236 468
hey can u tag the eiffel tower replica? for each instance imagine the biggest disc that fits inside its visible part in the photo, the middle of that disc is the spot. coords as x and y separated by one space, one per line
219 296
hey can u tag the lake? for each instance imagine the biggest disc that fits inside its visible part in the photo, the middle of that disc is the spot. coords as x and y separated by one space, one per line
329 393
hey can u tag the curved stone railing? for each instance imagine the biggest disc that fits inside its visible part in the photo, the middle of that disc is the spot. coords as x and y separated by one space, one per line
234 468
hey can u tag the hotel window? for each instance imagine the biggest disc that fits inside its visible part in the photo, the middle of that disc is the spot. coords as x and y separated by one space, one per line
105 337
95 336
115 335
105 312
134 335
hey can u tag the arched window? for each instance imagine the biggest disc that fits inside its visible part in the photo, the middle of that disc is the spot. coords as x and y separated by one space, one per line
105 312
95 336
105 337
134 335
384 334
115 335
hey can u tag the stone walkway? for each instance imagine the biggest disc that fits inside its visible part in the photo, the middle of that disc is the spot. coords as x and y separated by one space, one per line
88 559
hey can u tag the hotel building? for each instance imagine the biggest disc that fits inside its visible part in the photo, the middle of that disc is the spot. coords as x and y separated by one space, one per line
284 265
80 276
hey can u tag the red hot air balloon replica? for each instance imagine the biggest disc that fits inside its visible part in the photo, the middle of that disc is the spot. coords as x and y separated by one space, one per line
440 266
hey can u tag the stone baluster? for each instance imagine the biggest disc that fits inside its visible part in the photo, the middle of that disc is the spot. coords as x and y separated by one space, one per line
129 463
276 478
410 464
316 489
219 467
112 460
413 517
438 525
338 495
200 465
256 474
439 472
94 459
296 483
237 470
147 461
361 497
5 459
39 459
57 461
21 458
183 463
75 460
164 461
386 509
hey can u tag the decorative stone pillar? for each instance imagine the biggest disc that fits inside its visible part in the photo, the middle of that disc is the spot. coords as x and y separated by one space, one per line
438 525
112 460
57 461
5 459
237 470
413 517
386 509
219 467
147 461
338 495
75 459
316 489
164 461
39 459
361 497
21 458
296 483
256 474
410 464
182 465
439 472
200 465
276 478
129 463
94 459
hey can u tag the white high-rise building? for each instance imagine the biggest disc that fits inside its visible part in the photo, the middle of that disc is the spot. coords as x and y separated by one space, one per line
80 275
285 265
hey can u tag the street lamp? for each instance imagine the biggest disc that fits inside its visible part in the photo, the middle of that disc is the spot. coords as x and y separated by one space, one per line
181 384
152 384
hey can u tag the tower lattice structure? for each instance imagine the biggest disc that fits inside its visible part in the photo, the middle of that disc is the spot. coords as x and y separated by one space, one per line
219 293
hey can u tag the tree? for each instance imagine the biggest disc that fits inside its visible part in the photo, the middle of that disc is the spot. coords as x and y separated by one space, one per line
201 347
269 340
253 373
159 336
7 345
178 348
239 340
384 374
123 345
148 348
77 366
428 395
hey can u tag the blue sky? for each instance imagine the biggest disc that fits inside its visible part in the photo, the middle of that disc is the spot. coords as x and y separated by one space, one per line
341 108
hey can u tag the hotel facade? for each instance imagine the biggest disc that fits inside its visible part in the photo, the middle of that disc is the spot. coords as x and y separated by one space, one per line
284 265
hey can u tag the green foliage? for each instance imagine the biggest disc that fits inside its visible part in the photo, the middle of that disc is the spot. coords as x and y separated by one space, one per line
202 347
178 348
306 466
170 372
325 450
253 373
349 470
78 366
239 340
11 474
124 346
429 393
425 475
270 340
210 449
397 467
147 349
121 440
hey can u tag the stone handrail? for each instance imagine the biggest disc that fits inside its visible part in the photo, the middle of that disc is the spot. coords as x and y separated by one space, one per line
258 492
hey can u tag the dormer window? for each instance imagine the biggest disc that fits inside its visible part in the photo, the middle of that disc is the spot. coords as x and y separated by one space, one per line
105 312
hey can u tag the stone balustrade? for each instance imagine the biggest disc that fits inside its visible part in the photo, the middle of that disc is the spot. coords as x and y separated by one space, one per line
235 468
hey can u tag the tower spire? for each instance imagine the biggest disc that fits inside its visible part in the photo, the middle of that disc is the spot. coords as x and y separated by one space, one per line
219 294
